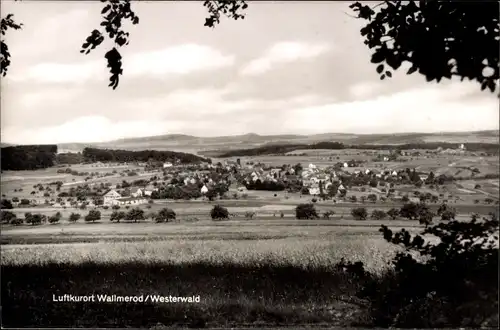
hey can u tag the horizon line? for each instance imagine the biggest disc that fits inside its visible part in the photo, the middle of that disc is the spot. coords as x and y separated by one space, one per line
250 133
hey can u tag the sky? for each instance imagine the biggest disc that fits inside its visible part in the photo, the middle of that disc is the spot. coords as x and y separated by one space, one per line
287 68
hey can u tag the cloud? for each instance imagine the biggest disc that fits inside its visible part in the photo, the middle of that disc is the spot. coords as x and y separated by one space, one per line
181 59
197 112
84 129
49 98
62 73
178 60
283 52
429 109
365 90
54 32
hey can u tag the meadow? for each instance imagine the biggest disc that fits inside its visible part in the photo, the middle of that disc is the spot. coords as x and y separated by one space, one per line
267 271
254 273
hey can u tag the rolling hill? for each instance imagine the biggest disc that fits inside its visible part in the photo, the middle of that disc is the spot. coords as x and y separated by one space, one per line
194 144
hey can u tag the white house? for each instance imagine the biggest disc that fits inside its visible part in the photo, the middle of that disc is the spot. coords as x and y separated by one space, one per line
346 165
314 191
110 196
341 187
129 201
136 192
204 190
167 164
423 177
394 173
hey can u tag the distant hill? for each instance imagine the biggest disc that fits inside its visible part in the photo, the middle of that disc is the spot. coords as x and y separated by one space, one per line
194 144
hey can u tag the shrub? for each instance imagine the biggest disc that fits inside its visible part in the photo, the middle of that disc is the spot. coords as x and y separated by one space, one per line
6 204
55 218
115 207
306 211
477 186
117 216
93 215
448 215
453 285
16 221
282 215
34 219
218 213
249 215
165 215
74 217
372 198
378 215
328 214
393 213
359 213
135 214
314 200
105 207
7 216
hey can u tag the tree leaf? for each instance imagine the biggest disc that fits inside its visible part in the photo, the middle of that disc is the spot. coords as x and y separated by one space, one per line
412 69
380 68
105 9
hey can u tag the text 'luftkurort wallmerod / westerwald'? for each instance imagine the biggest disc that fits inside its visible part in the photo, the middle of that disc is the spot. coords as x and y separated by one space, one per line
150 298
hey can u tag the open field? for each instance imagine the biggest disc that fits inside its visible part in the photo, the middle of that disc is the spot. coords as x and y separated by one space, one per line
287 241
266 271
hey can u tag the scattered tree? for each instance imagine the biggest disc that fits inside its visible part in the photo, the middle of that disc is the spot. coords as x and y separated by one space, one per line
218 213
306 211
359 213
74 217
378 215
135 214
165 215
393 213
93 215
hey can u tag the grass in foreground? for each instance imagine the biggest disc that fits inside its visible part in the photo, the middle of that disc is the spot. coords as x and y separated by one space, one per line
314 251
231 295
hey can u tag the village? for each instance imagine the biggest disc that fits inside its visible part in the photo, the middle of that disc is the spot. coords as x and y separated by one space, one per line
385 178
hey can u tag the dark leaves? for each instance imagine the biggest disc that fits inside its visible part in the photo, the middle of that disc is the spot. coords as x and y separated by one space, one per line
378 57
412 69
113 15
428 34
231 9
6 23
115 64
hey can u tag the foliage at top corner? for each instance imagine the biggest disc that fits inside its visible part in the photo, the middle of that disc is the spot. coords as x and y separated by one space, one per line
440 39
6 23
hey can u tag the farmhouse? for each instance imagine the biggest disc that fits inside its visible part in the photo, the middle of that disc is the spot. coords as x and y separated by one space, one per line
204 190
136 192
110 196
423 177
314 191
129 201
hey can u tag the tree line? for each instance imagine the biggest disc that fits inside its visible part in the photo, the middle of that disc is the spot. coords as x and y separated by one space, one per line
492 148
28 157
117 155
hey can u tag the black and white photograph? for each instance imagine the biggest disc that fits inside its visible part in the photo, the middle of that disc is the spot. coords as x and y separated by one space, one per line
249 164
